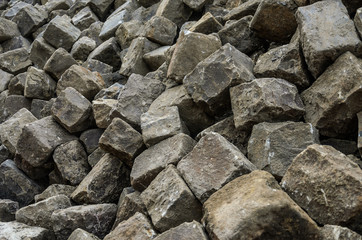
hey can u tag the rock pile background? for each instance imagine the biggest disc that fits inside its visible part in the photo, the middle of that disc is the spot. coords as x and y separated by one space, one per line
180 119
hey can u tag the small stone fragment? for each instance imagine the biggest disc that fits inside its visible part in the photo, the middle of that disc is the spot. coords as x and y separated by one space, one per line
54 190
156 58
58 63
7 210
127 31
358 21
39 85
186 231
17 84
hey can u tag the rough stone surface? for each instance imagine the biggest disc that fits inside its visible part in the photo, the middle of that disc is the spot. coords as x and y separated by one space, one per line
156 58
7 210
80 234
127 31
84 18
58 63
334 232
169 201
104 182
153 160
327 184
54 190
17 84
8 30
4 80
5 154
22 231
90 139
14 103
186 231
15 61
334 99
326 31
101 110
108 52
265 99
359 115
82 48
174 10
96 219
39 85
206 24
30 18
243 10
41 108
358 21
160 30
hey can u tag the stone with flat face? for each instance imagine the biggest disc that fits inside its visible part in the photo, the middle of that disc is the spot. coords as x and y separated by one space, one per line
22 231
174 10
8 30
186 231
39 84
8 209
58 63
160 30
80 234
40 52
334 232
108 52
54 190
84 18
30 18
15 61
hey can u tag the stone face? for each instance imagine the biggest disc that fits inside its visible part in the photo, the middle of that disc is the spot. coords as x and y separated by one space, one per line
14 103
169 201
4 80
334 99
243 10
58 63
359 116
160 124
186 231
16 42
71 161
127 31
136 97
160 30
273 146
104 182
265 99
15 61
39 214
7 210
22 231
17 84
153 160
249 207
196 5
207 24
54 190
61 33
96 219
101 7
113 21
82 48
191 48
8 30
95 156
275 21
15 185
5 154
156 58
72 110
80 234
30 18
40 52
39 85
208 84
108 52
174 10
90 139
358 21
334 232
41 108
84 18
136 227
327 184
81 79
211 164
101 110
324 38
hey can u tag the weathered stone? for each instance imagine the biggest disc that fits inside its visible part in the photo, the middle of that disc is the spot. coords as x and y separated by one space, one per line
191 48
273 146
347 147
21 231
96 156
249 207
358 21
15 8
54 5
7 210
5 154
174 10
97 66
207 24
4 80
127 31
122 140
133 60
136 227
335 98
15 61
208 151
55 177
245 9
84 18
208 84
81 79
90 139
39 85
82 48
17 84
30 18
40 52
71 161
169 201
104 183
156 58
101 111
15 43
39 214
93 32
5 114
41 108
160 30
108 52
334 232
101 7
11 129
275 20
265 99
359 139
54 190
136 97
72 110
186 231
15 185
80 234
14 103
161 124
326 31
58 63
96 219
8 30
153 160
327 185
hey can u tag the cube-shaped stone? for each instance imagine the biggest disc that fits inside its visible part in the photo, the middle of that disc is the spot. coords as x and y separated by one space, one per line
40 52
108 52
30 18
160 30
127 31
174 10
39 85
8 30
15 61
84 18
58 63
82 48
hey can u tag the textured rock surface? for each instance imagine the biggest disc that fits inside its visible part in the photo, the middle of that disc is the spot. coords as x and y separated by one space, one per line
80 234
7 210
22 231
54 190
58 63
186 231
39 85
335 232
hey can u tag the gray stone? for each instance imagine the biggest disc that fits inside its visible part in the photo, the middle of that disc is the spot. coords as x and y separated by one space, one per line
58 63
161 124
265 99
17 84
15 61
101 110
80 234
248 208
136 227
15 185
169 201
133 60
81 79
30 18
40 52
359 139
358 21
185 231
327 185
5 154
22 231
71 161
101 7
54 190
7 210
39 85
122 140
204 181
147 3
4 80
207 24
326 31
153 160
15 8
347 147
41 108
8 30
208 84
84 18
160 30
108 52
90 139
39 214
334 99
96 219
14 103
127 31
174 10
191 48
72 110
54 5
334 232
82 48
95 156
93 32
97 66
245 9
16 42
273 146
156 58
